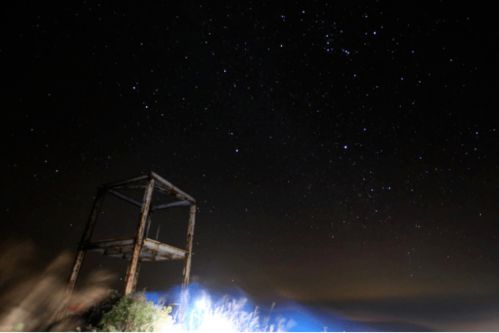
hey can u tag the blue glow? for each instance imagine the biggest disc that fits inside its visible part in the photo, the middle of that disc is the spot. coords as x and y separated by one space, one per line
234 311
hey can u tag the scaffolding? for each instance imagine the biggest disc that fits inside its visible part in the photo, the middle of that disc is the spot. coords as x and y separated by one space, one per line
140 248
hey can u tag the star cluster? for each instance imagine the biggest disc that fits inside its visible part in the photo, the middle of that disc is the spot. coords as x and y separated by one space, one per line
352 145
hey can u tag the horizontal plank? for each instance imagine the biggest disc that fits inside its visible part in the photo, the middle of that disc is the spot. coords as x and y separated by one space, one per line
171 204
152 250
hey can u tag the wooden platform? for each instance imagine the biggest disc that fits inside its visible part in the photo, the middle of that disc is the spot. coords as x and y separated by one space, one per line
151 251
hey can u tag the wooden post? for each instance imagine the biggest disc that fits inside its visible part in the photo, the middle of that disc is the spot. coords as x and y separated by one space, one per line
184 293
85 239
188 256
131 273
80 254
136 281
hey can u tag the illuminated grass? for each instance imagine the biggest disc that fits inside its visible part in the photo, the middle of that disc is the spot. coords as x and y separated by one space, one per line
200 314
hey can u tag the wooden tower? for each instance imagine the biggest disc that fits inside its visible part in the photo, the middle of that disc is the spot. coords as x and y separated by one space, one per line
139 248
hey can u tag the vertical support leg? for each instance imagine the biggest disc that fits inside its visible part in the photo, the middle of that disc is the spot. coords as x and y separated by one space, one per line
87 235
184 293
190 235
81 252
149 222
136 281
131 273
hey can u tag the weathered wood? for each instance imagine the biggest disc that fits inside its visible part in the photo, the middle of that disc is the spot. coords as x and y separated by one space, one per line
140 248
172 188
186 273
126 181
81 252
152 250
190 236
139 239
136 280
131 186
171 204
87 235
125 198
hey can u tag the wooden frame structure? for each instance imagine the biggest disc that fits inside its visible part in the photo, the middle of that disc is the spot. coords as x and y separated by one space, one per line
140 248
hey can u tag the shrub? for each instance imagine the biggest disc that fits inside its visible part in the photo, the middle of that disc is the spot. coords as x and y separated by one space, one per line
135 313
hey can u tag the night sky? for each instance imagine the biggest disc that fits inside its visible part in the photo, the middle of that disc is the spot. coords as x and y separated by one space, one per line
340 152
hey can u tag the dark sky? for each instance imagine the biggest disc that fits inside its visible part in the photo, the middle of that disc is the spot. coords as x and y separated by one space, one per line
339 151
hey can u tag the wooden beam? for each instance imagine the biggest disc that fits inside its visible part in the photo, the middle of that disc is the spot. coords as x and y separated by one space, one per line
126 181
171 204
136 280
131 186
85 239
131 273
125 198
151 248
81 252
170 187
190 236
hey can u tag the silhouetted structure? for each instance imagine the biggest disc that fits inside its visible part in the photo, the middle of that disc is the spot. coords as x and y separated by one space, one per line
139 248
